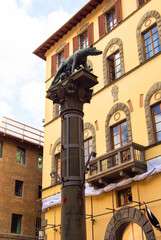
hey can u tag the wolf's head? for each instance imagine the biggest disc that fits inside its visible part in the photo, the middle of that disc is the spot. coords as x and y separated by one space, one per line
93 51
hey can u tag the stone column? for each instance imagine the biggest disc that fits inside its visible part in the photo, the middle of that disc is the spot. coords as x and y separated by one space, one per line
71 94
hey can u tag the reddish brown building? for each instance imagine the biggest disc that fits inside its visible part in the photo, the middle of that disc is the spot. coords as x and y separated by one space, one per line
21 152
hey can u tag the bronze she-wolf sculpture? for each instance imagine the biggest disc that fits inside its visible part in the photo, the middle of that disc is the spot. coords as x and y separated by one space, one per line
75 61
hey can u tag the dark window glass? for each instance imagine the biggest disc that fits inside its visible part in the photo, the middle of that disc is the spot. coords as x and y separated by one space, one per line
88 147
20 156
123 195
38 226
84 40
156 113
111 19
40 161
114 66
18 188
151 42
39 191
58 168
119 135
60 57
16 223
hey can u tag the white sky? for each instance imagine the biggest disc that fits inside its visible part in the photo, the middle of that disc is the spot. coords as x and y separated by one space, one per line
24 26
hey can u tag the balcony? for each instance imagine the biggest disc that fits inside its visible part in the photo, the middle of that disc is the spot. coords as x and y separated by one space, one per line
117 164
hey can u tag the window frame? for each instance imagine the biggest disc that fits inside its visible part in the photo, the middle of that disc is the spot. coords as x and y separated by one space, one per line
84 37
87 140
115 66
112 12
153 120
120 134
22 151
151 41
124 192
40 163
20 192
60 57
57 168
12 223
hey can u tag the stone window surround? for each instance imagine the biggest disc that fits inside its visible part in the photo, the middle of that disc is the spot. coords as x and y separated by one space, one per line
113 41
114 109
58 141
147 15
89 126
148 115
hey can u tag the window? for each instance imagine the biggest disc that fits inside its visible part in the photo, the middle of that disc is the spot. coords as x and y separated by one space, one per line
20 156
114 66
18 188
16 223
151 42
1 147
40 161
141 2
88 147
119 135
60 57
38 225
39 191
58 168
111 19
84 40
156 113
123 195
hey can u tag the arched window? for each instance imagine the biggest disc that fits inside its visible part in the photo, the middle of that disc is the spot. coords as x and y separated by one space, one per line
56 163
118 127
153 113
149 35
113 62
89 140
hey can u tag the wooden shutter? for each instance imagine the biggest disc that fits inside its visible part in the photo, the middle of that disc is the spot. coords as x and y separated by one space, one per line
118 10
90 34
53 64
66 51
101 25
141 2
75 44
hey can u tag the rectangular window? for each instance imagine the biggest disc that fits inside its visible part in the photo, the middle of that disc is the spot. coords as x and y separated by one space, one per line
123 196
20 156
88 147
111 19
156 113
151 42
39 191
84 40
119 135
16 223
38 226
18 188
60 57
58 168
40 161
114 66
1 148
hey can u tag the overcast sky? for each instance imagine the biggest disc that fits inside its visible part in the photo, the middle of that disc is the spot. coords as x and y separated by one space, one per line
25 25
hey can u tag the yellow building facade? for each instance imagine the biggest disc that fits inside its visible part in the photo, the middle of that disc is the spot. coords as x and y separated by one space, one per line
122 124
